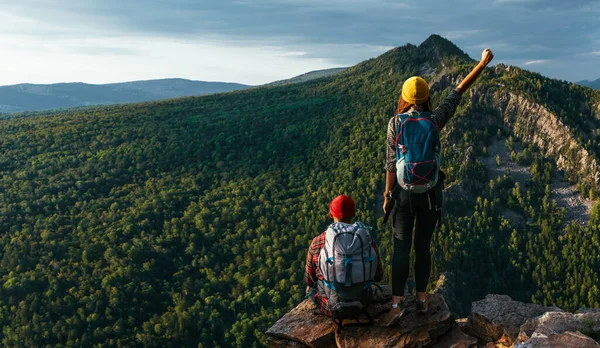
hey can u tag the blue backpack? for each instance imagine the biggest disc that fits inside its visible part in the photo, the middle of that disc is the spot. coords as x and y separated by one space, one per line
417 152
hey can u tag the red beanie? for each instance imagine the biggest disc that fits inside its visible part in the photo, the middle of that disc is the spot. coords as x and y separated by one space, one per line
342 207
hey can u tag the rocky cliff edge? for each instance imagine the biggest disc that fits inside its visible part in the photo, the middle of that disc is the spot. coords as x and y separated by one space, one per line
495 321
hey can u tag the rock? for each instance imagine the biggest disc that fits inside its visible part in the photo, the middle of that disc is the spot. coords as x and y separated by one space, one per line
556 323
276 342
301 328
566 339
301 325
414 330
456 338
498 318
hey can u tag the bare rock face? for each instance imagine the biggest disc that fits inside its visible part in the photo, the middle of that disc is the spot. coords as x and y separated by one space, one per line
498 318
597 111
536 124
301 328
555 325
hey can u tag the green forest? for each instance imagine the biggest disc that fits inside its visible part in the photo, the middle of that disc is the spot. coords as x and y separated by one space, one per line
187 221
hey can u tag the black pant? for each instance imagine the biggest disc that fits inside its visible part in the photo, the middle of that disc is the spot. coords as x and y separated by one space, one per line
425 209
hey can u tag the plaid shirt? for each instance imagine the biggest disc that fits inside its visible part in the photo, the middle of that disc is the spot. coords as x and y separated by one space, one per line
312 273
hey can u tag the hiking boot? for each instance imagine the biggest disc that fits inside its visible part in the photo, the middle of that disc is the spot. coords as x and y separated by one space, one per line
423 306
394 315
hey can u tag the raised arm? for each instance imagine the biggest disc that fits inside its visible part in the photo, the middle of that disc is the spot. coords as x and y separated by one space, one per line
486 58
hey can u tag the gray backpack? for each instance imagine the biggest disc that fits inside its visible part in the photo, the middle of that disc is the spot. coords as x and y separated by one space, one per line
348 263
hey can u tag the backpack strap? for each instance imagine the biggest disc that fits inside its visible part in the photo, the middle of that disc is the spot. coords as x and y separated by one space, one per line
312 291
348 262
340 321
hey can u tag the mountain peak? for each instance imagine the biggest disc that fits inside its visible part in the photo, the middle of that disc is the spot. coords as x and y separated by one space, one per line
442 47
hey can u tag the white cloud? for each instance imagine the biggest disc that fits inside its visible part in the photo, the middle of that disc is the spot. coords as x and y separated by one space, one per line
460 34
276 38
539 61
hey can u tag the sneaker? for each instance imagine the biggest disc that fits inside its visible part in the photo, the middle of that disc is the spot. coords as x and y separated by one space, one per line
423 306
394 315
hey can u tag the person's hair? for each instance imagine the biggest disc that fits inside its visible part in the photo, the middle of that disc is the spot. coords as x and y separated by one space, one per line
345 220
404 106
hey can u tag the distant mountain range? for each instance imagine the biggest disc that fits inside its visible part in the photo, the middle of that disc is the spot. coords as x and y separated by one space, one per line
33 97
308 76
592 84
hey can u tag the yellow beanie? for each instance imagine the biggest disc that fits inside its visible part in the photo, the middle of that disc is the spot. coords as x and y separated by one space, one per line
415 90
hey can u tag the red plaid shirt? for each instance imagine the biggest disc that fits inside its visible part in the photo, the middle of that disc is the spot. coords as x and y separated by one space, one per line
312 273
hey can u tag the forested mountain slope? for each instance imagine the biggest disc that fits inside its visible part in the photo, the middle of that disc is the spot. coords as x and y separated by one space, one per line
187 221
32 97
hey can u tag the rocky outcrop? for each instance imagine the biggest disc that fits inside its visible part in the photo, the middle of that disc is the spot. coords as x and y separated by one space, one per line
536 124
498 318
301 328
496 321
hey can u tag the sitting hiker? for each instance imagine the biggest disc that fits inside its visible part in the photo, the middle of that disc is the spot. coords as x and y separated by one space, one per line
341 265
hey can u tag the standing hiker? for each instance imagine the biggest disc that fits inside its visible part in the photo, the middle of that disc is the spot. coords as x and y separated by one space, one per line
414 182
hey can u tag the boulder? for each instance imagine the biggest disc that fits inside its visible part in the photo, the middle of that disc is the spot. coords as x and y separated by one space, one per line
456 338
498 318
552 326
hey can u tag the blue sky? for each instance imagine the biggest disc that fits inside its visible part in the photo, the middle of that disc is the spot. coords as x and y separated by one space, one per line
258 41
